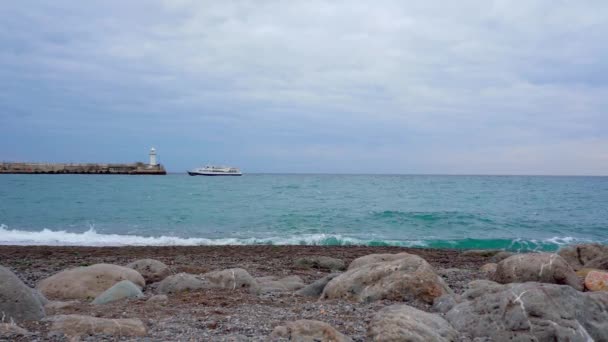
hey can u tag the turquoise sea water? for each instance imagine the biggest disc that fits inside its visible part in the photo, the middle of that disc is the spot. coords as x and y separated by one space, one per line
513 212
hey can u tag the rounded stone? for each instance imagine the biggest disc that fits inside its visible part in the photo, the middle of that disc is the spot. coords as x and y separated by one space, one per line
180 282
308 330
122 290
87 282
74 326
152 270
540 267
406 277
402 322
596 281
18 302
530 312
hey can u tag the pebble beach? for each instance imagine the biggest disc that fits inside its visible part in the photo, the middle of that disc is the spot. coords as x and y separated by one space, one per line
265 293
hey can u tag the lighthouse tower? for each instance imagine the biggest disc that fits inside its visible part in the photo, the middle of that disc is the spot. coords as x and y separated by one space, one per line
153 157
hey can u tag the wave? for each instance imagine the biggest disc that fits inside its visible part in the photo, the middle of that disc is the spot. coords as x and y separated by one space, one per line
47 237
427 216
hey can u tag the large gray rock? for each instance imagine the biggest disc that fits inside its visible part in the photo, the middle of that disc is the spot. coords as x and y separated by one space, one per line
232 278
152 270
87 282
121 290
321 262
407 277
540 267
74 326
274 284
579 255
402 322
181 282
308 331
315 289
530 312
18 302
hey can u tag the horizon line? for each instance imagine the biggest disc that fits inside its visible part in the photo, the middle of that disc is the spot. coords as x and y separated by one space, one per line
408 174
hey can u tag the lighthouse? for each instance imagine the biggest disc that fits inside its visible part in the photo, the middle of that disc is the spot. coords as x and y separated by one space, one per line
153 157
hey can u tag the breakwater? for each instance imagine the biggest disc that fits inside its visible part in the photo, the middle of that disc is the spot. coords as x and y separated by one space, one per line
82 168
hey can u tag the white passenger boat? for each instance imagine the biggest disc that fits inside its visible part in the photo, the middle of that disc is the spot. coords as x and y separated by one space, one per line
211 170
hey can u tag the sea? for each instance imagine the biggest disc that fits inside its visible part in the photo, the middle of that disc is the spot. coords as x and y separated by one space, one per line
519 213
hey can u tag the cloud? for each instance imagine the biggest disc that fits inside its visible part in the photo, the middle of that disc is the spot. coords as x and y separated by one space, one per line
322 85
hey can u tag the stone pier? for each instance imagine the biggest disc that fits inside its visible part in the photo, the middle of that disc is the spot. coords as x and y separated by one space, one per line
78 168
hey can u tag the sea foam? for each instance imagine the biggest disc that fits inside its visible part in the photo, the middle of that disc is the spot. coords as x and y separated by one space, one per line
91 237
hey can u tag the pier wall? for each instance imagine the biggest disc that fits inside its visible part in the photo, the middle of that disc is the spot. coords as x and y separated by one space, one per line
89 168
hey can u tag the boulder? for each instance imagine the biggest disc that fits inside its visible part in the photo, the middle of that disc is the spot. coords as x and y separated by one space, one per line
530 312
540 267
408 277
232 278
11 332
308 330
600 263
596 281
121 290
180 282
579 255
87 282
315 289
18 302
402 322
74 326
320 262
375 258
286 284
152 270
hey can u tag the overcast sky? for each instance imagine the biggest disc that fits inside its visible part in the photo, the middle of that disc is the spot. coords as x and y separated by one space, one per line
482 87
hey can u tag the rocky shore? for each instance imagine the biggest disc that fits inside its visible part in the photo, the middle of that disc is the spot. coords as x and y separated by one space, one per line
302 293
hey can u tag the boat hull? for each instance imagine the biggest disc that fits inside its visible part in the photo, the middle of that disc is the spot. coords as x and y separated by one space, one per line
192 173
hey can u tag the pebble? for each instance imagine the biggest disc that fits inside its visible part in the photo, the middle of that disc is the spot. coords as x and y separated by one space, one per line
596 281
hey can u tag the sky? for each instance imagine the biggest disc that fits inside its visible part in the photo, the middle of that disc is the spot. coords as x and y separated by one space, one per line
439 87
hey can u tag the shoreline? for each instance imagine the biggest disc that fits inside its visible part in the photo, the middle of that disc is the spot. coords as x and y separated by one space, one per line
255 258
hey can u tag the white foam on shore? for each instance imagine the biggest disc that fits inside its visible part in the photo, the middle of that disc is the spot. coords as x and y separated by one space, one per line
48 237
